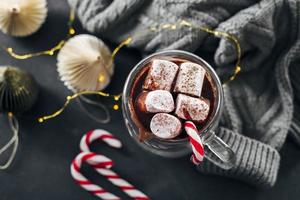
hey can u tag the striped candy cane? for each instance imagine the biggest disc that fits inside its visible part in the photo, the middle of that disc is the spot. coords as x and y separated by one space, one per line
195 141
98 134
102 165
98 161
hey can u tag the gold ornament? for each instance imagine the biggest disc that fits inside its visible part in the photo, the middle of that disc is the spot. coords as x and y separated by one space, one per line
85 64
22 17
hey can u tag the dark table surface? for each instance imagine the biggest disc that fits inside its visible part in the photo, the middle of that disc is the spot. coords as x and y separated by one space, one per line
41 169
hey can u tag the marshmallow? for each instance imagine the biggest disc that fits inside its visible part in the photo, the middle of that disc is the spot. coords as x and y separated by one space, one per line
165 126
156 101
191 108
161 75
190 79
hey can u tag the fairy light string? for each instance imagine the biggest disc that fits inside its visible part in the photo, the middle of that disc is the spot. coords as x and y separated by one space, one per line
69 99
219 34
129 40
51 51
167 26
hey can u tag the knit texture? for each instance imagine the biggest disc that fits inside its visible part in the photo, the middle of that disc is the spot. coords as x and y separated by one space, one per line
261 104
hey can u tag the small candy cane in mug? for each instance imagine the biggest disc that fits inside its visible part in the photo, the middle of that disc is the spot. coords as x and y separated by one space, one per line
195 141
102 165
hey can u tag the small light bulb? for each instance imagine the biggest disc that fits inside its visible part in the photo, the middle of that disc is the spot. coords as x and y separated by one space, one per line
101 78
10 114
116 107
116 98
72 31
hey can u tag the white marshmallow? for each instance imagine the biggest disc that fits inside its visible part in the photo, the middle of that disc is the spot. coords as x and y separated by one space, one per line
156 101
190 79
165 126
161 75
191 108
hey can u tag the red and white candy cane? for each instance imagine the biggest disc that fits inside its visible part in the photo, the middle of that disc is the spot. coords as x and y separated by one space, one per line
98 134
97 160
101 164
195 141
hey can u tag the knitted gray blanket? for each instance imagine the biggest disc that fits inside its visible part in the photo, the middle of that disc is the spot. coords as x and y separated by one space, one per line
261 104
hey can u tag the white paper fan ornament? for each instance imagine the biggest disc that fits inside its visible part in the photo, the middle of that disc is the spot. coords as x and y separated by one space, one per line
85 64
22 17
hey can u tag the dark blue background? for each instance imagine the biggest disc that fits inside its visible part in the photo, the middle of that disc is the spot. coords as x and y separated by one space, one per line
41 168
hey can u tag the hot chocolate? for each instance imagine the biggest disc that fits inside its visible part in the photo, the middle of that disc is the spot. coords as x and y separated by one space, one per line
168 91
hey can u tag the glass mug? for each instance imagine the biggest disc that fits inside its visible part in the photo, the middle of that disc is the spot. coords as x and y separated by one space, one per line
215 149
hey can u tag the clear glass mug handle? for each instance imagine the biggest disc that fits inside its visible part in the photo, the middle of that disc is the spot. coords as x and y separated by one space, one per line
217 151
